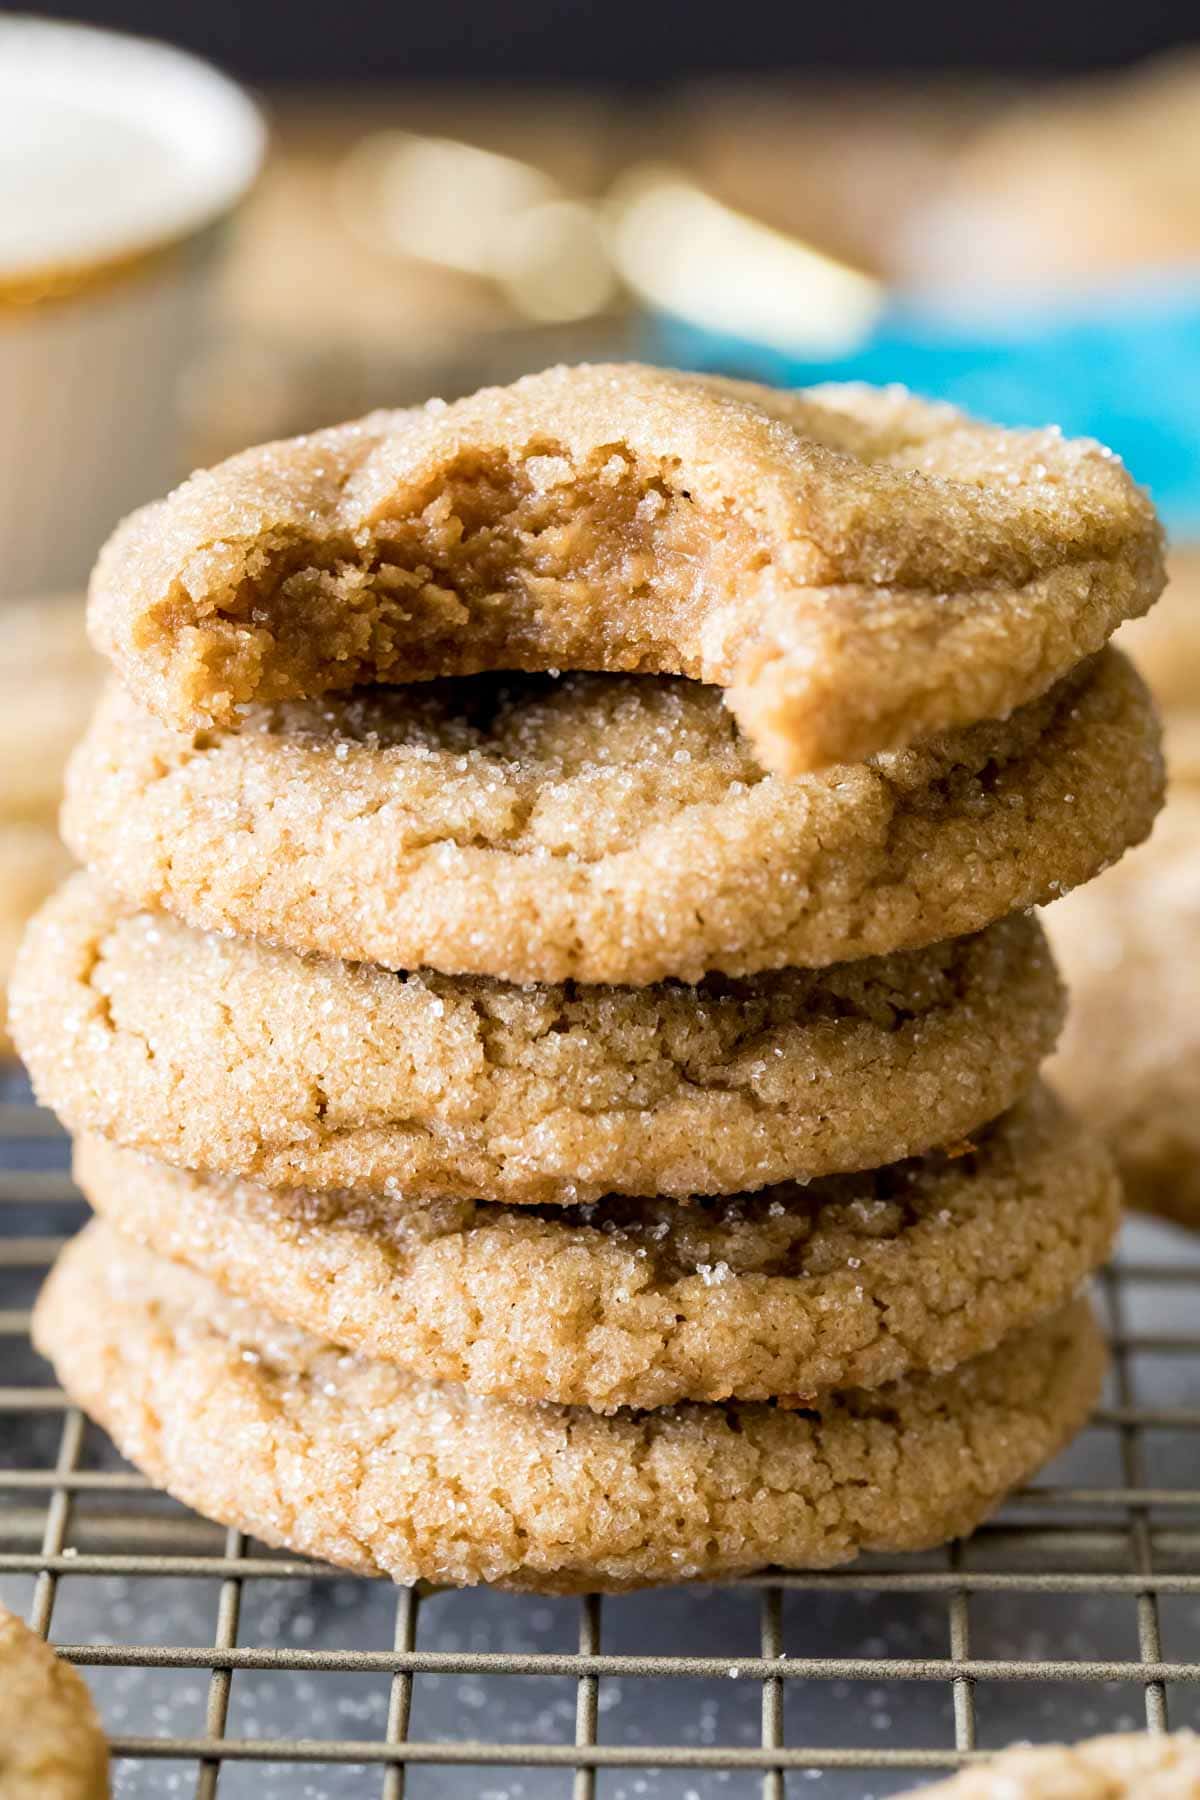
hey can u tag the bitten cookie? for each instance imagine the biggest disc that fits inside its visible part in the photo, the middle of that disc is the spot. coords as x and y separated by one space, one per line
858 568
52 1746
1130 1056
1132 1766
852 1281
602 828
264 1427
222 1055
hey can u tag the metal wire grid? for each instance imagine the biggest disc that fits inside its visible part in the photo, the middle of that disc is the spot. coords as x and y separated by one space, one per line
1130 1539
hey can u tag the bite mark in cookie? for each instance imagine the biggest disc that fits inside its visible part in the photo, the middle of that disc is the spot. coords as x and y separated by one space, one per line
858 568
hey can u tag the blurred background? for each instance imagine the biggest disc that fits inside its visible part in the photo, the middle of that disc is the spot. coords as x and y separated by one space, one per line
455 194
1000 206
634 46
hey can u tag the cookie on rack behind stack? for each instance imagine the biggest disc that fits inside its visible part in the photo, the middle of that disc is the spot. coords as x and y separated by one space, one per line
1130 945
583 1130
49 679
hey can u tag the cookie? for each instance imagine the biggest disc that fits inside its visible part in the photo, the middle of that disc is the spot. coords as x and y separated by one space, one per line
354 1461
1128 1766
1074 186
1130 1056
49 679
851 1281
222 1055
1180 728
1181 742
33 860
601 828
1165 645
858 568
52 1746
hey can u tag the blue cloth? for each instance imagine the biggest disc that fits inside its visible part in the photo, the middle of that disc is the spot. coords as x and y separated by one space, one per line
1122 366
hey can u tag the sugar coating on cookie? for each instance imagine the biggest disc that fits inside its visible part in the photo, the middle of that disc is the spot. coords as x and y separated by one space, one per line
1123 1766
1130 1056
602 828
52 1746
851 1281
224 1055
354 1461
859 569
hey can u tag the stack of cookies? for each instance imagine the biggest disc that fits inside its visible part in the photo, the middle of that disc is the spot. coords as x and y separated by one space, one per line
578 1130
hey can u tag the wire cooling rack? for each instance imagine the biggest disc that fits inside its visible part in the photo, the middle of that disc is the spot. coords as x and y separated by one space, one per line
223 1667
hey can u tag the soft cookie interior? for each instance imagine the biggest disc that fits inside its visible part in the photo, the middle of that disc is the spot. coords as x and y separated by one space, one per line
858 569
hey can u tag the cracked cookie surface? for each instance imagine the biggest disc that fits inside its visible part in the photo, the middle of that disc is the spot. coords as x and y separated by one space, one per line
352 1460
851 1281
52 1746
858 568
222 1055
602 828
